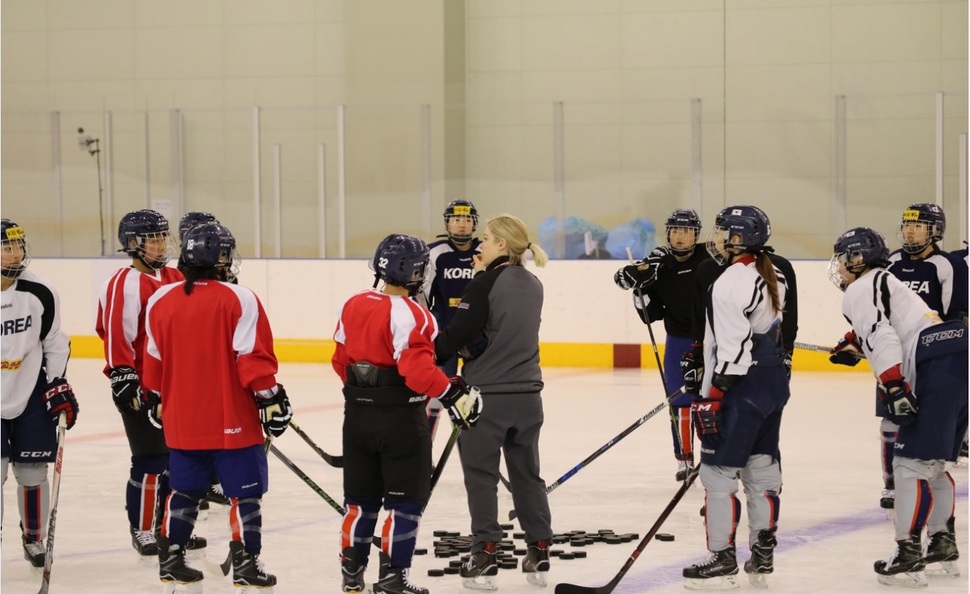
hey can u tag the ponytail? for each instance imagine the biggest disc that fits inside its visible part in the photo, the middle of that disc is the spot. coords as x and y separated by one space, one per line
767 271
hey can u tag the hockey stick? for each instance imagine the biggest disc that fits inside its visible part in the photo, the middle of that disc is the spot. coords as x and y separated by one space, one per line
574 589
440 466
55 493
824 349
335 461
513 514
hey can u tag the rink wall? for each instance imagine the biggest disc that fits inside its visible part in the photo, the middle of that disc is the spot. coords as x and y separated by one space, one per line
586 320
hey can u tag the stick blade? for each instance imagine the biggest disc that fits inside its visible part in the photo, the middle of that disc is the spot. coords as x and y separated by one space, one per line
574 589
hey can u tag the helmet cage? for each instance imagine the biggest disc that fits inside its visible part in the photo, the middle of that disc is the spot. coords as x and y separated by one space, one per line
855 251
746 223
13 240
933 221
461 208
683 218
141 226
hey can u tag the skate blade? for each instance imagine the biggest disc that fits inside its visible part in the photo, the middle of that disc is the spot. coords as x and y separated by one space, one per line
182 587
254 589
537 578
758 580
947 569
487 583
727 582
915 579
147 560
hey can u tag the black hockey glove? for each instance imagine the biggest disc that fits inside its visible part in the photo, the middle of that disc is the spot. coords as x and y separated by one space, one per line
642 274
464 402
275 411
126 389
59 398
692 368
786 361
898 400
848 351
153 408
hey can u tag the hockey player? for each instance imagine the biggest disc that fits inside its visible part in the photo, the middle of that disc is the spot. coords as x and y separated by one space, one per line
665 288
449 272
921 364
144 236
746 390
496 331
385 357
217 334
35 391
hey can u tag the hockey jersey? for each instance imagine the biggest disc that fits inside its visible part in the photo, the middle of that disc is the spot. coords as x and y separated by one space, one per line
671 297
206 353
449 272
389 331
32 338
931 278
121 314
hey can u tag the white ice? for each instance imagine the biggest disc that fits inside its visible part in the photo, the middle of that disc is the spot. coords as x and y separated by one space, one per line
831 528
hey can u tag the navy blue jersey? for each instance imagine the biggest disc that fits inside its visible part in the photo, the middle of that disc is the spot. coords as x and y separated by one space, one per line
449 272
671 297
959 306
931 278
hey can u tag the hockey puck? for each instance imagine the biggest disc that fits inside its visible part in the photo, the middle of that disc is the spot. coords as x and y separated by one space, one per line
436 572
519 552
579 554
452 570
567 556
663 536
420 551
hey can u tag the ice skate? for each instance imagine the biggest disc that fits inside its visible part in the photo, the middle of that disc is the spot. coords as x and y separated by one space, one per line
395 580
144 542
478 573
762 561
173 571
248 572
683 469
352 570
904 567
718 572
216 495
942 549
196 543
34 551
536 563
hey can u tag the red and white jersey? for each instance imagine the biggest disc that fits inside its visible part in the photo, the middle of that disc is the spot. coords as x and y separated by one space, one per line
389 331
32 337
206 353
121 314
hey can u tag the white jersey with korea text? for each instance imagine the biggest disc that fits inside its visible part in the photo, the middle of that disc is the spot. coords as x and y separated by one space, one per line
888 317
740 307
32 337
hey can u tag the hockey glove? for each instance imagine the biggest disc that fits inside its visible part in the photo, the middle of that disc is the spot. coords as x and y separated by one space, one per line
275 411
692 368
706 415
153 408
848 350
126 389
642 274
898 400
59 398
786 361
464 402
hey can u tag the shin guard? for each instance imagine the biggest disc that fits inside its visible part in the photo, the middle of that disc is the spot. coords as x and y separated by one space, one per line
142 493
400 532
683 435
246 522
357 529
179 512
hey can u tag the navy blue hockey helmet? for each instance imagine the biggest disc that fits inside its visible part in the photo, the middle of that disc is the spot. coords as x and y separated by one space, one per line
461 208
209 245
401 260
917 218
738 229
191 219
140 225
856 250
683 218
15 250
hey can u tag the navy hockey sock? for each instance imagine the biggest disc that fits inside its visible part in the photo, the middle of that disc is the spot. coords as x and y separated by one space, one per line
360 520
400 532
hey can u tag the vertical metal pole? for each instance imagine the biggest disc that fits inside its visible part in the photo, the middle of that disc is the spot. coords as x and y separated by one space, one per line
278 197
840 165
107 147
257 180
322 199
697 154
148 162
963 187
939 149
341 184
426 160
559 181
57 179
177 131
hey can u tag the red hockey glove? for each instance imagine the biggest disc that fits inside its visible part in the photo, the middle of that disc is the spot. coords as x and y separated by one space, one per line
59 398
848 351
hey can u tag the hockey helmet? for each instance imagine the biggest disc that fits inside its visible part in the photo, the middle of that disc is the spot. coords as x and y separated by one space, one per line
683 218
461 208
191 219
15 250
738 229
401 260
210 245
142 225
856 250
924 216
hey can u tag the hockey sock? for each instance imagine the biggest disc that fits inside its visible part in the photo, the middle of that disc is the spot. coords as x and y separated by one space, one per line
400 532
680 428
33 498
246 522
179 512
142 492
942 513
914 500
721 519
357 530
888 446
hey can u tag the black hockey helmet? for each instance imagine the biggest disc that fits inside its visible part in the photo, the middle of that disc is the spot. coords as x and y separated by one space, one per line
925 213
141 225
683 218
461 208
209 245
13 242
738 229
401 260
856 250
193 218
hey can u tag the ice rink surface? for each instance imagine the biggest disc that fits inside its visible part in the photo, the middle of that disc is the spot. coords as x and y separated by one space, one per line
831 528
